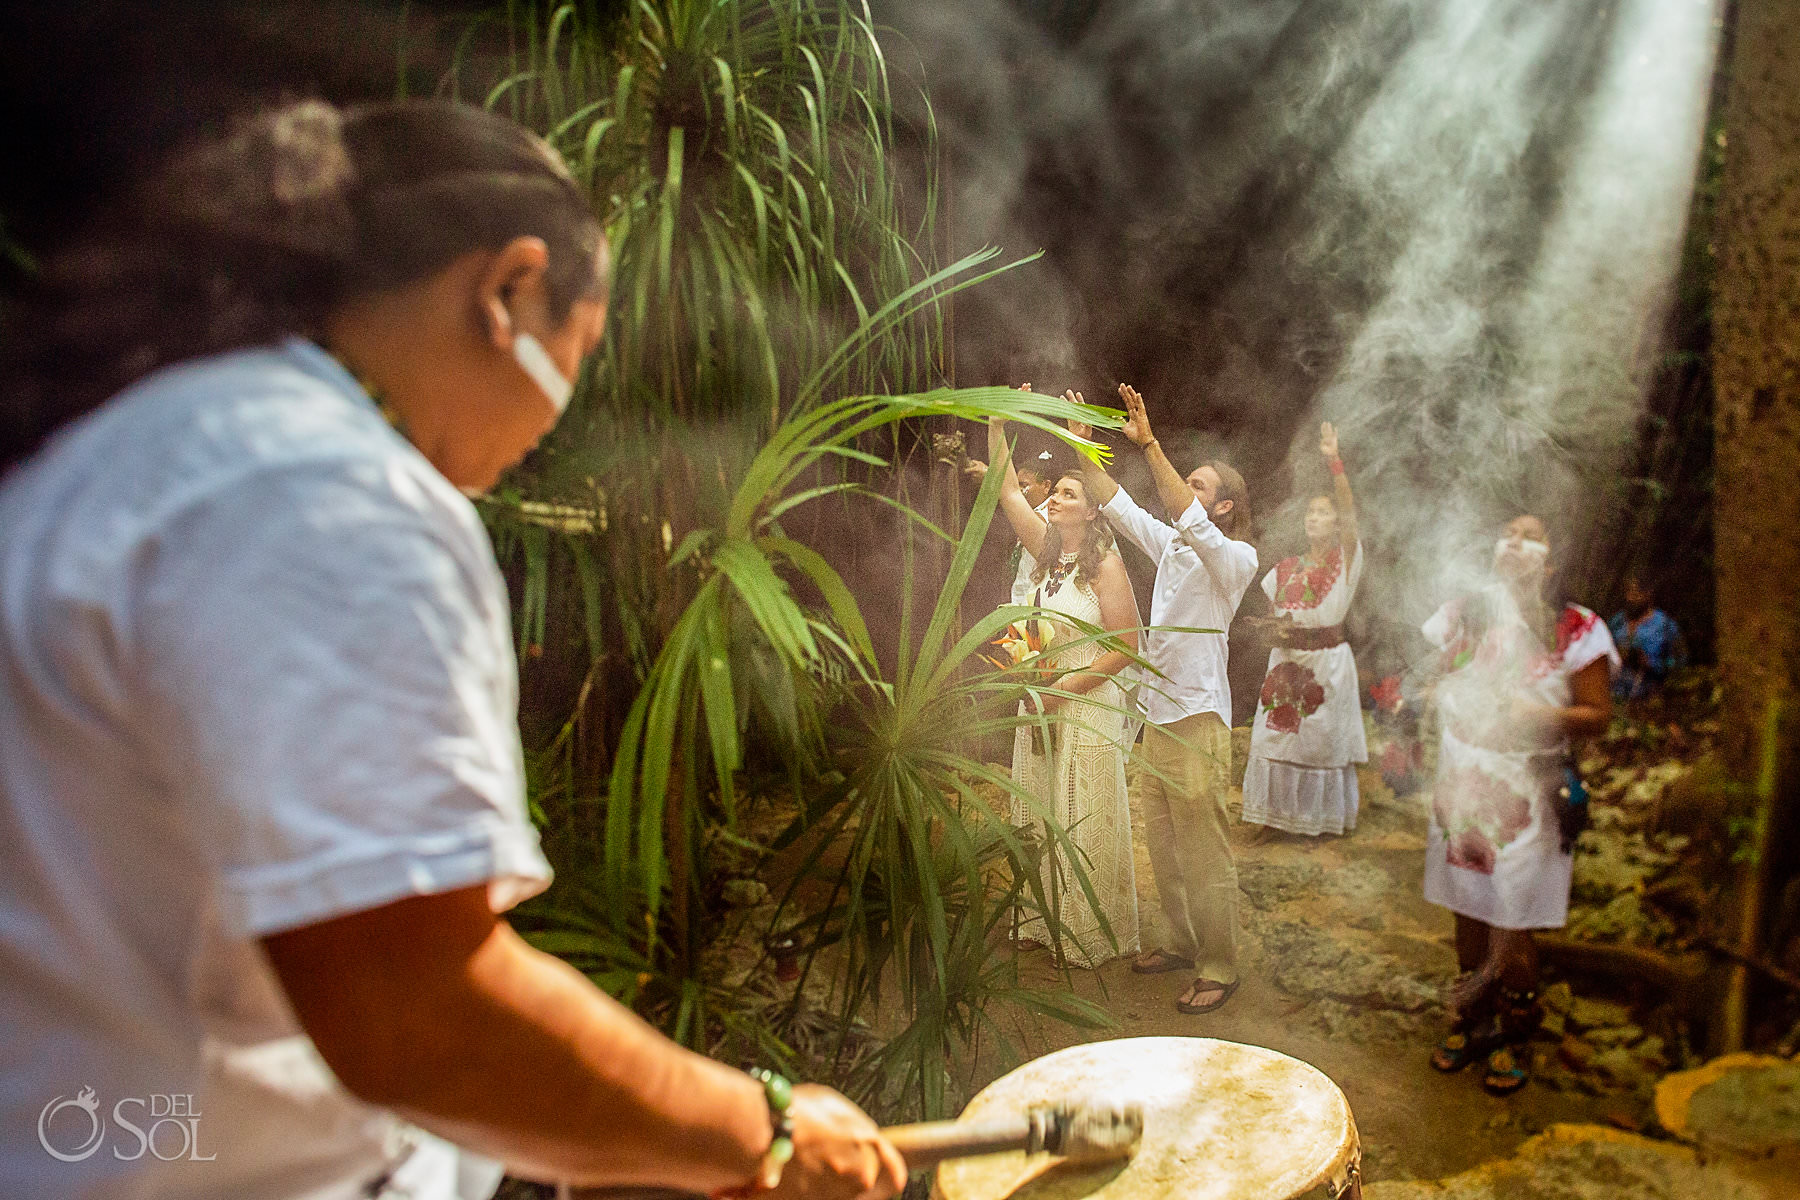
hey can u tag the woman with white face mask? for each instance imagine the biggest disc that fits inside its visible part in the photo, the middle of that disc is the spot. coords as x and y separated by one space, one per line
1521 679
261 791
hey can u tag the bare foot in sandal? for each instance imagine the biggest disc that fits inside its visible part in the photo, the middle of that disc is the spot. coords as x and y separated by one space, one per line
1155 962
1205 995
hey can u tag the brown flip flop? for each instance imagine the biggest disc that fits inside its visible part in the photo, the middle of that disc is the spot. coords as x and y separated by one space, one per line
1207 985
1157 962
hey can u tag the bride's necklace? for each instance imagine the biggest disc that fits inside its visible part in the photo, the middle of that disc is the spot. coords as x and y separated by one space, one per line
1053 581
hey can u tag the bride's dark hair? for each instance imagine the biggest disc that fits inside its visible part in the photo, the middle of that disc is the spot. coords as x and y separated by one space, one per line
1096 543
263 232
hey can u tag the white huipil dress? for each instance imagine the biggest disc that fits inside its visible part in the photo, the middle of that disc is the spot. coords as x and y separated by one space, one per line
1494 850
1077 775
1308 736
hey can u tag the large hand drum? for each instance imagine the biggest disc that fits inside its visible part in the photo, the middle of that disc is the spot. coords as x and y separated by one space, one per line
1222 1121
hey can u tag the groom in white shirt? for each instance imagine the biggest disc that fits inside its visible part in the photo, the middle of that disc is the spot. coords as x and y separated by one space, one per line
1202 572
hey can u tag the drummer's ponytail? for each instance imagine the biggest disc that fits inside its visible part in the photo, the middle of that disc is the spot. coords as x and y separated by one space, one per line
263 232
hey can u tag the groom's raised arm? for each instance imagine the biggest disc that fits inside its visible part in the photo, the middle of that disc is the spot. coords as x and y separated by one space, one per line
1139 527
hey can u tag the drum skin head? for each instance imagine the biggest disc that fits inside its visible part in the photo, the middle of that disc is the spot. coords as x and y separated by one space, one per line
1222 1121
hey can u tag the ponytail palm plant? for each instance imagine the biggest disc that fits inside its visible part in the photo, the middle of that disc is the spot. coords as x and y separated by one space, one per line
928 870
777 328
743 154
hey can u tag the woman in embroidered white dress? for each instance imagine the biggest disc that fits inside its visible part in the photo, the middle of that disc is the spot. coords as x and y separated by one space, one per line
1077 775
1522 679
1308 736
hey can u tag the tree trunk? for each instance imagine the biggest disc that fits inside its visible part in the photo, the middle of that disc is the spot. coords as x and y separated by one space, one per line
1756 371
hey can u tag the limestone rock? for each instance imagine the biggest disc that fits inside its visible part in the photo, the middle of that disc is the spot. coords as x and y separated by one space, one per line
1588 1162
1616 1035
1623 920
1363 882
1307 962
745 893
1610 859
1267 884
1747 1103
1620 1068
1587 1013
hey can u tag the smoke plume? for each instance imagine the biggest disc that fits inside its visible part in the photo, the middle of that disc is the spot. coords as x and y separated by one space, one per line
1449 226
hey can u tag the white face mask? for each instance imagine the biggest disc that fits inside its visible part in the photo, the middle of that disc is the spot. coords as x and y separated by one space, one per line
1528 551
536 362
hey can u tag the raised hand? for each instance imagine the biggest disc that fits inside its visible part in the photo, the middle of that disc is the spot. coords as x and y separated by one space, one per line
1137 423
975 468
1080 429
1328 443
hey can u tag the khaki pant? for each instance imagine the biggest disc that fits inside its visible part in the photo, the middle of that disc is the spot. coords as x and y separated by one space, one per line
1185 824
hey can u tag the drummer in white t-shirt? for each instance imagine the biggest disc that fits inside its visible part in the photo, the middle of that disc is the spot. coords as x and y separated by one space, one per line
261 790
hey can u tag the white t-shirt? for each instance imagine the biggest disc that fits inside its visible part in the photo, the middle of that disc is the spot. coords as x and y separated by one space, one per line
255 673
1201 578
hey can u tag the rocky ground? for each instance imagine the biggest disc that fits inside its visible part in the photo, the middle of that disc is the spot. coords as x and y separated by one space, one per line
1345 965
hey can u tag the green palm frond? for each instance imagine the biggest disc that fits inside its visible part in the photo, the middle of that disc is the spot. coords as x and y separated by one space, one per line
778 317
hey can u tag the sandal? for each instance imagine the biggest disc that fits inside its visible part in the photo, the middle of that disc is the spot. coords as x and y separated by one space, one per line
1156 962
1506 1072
1460 1047
1474 1028
1225 990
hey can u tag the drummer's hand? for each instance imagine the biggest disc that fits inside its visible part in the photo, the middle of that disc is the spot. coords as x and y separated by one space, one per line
839 1153
976 468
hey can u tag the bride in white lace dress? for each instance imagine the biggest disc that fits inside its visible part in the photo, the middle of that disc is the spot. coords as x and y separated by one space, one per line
1077 774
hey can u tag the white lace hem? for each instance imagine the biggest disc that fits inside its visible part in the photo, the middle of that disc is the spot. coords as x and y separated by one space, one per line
1297 799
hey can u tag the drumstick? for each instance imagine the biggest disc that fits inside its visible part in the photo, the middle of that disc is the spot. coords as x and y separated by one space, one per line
1093 1132
1079 1132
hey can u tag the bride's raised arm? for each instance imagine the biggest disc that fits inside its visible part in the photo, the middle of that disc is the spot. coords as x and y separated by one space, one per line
1028 525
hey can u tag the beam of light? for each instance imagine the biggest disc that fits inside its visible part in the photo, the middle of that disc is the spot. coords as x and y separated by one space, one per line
1537 163
1450 226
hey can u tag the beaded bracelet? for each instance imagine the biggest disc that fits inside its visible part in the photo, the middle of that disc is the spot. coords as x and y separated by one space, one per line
780 1095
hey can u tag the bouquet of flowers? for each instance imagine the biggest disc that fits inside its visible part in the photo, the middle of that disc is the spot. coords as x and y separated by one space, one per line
1021 644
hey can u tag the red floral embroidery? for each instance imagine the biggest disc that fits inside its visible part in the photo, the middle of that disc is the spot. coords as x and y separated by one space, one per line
1571 626
1301 585
1472 850
1480 816
1512 643
1290 693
